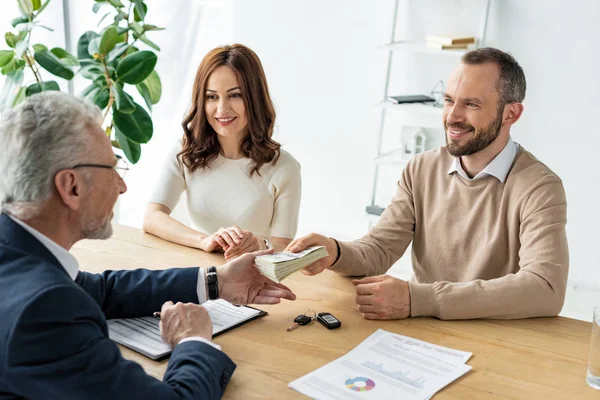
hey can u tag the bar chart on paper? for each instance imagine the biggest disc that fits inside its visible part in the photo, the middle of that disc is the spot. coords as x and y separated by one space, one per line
386 366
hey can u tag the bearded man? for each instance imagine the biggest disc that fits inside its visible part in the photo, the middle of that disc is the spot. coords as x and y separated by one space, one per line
485 217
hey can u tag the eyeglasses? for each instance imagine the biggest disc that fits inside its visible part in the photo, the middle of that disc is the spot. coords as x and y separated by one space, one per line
121 166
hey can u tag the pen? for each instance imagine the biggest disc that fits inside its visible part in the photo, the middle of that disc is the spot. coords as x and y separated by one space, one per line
156 314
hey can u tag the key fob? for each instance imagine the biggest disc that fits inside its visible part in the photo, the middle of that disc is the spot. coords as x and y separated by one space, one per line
302 319
328 320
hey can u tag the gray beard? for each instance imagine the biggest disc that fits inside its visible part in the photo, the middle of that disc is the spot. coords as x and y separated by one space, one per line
480 140
97 229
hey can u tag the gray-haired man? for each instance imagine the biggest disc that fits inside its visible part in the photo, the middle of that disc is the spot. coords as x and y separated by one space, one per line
58 185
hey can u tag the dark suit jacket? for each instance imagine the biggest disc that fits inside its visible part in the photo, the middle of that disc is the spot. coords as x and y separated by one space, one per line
54 340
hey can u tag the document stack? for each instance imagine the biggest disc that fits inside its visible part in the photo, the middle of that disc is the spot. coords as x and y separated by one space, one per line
279 266
448 42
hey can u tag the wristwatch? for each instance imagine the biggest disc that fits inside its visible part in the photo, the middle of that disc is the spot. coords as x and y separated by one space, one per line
213 283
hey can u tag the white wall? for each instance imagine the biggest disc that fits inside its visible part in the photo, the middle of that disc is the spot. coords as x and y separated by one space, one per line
324 74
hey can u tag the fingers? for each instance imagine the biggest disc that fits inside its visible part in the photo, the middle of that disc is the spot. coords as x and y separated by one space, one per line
309 240
261 252
276 293
314 268
373 316
266 300
292 244
227 236
368 309
277 285
368 279
238 231
217 238
249 243
368 299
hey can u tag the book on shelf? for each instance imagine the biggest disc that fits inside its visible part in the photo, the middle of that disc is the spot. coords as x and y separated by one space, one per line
450 40
411 98
439 46
278 266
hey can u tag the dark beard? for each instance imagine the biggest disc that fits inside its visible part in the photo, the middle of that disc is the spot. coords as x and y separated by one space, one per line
480 140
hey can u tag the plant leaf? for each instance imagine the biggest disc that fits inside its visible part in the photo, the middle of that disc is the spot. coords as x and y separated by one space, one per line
42 7
132 150
26 6
84 43
65 57
36 4
11 88
92 71
153 86
21 48
94 47
101 98
52 64
122 102
137 28
19 20
136 67
149 42
11 39
20 96
6 56
88 90
136 15
143 89
45 27
9 67
102 19
118 51
110 38
148 28
137 126
39 47
116 3
98 6
35 88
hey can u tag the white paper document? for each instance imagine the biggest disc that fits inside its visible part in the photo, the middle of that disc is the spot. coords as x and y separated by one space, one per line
386 366
143 334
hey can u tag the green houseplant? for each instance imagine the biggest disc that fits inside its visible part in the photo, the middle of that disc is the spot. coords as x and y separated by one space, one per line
110 59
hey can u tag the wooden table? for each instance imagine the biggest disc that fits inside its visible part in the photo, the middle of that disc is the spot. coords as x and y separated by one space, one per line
542 358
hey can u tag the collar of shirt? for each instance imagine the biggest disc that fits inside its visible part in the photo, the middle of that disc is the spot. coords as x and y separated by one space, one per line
66 259
498 167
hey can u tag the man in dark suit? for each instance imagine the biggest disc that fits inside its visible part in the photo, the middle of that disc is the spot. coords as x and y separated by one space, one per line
59 183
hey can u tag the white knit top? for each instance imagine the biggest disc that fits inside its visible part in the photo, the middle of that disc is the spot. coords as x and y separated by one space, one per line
224 194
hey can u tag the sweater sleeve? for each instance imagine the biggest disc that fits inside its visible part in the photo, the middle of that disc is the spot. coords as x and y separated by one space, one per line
374 253
287 182
536 290
171 180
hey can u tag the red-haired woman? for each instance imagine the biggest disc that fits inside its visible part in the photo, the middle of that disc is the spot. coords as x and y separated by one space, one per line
243 191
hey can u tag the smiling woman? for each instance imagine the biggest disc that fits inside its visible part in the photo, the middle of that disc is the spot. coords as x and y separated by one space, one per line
243 190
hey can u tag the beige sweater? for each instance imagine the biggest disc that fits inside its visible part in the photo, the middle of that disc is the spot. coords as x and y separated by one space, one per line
481 248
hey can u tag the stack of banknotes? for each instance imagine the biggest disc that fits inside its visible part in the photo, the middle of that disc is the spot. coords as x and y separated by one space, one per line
278 266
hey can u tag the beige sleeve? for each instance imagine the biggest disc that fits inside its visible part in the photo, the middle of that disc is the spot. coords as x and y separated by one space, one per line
287 182
536 290
374 253
171 180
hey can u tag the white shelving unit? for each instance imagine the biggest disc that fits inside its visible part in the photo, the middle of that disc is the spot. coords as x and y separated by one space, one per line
416 114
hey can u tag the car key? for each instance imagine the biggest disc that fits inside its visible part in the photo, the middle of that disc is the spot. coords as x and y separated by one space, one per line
300 320
328 320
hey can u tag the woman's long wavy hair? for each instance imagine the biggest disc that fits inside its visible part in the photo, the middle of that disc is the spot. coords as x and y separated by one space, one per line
200 144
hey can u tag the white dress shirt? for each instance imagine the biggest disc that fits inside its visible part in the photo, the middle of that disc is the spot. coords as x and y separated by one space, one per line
498 167
71 266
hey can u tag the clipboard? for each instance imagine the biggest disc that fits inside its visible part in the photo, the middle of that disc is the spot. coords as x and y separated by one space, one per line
142 334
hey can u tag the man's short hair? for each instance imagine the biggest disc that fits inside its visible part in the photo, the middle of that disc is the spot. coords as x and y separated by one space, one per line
44 134
511 86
